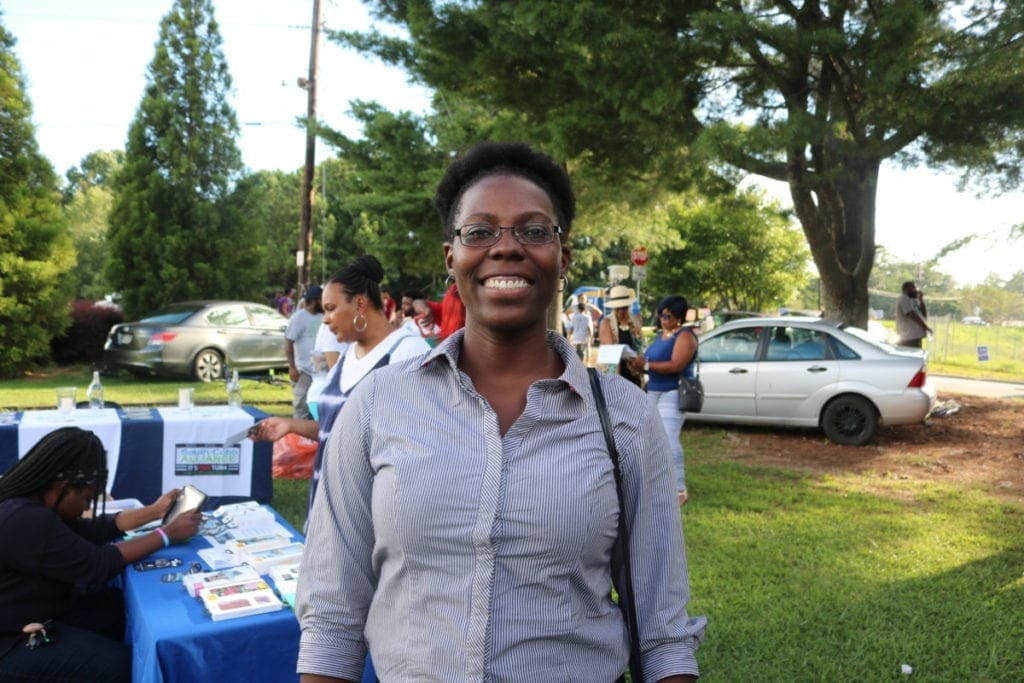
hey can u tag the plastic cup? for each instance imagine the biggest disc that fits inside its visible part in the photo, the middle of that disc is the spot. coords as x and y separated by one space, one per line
186 398
66 397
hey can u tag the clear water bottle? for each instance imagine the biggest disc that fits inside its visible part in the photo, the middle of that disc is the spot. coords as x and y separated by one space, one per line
95 392
234 390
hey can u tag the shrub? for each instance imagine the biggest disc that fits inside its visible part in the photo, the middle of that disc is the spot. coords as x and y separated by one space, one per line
84 338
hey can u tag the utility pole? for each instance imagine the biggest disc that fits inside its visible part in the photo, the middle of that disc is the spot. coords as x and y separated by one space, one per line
303 256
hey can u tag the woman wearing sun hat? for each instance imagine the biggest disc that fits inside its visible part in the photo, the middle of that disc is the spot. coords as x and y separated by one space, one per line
621 327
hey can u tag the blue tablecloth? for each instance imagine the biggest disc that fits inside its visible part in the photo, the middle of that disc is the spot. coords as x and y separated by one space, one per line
145 451
174 640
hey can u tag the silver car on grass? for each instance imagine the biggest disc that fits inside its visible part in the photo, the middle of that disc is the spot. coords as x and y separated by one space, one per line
809 372
199 338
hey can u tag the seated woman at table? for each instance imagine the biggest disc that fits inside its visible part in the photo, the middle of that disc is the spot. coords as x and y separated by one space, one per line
467 515
354 312
52 560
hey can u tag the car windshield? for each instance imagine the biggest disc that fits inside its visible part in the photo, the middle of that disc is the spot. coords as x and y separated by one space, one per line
172 315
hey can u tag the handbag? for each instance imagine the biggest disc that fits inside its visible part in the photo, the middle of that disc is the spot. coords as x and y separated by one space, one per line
691 391
620 553
691 394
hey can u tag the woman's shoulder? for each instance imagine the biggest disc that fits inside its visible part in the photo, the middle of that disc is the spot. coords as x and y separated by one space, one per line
20 514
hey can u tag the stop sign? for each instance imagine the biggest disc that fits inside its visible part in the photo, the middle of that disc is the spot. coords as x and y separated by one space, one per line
639 256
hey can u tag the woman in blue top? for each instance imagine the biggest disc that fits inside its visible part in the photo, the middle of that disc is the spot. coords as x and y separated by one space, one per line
673 351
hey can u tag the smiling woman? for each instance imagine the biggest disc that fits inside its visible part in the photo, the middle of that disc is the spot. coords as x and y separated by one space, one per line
468 511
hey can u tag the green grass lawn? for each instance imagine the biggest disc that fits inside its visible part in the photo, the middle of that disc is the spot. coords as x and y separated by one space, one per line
802 578
807 578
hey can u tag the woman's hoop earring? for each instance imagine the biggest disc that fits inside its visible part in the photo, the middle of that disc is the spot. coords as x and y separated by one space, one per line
565 281
449 281
355 322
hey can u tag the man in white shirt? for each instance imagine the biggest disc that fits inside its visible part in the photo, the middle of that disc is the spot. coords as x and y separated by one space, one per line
581 330
298 346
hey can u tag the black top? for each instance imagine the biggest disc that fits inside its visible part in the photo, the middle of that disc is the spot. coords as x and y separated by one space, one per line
42 559
626 337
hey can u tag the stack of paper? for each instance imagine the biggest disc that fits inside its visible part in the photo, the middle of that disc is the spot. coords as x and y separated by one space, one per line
239 600
194 583
263 560
286 580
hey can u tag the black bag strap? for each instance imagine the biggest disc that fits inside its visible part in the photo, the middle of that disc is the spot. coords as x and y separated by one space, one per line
627 602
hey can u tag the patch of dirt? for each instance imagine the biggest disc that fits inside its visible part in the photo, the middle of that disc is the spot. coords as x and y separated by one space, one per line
980 445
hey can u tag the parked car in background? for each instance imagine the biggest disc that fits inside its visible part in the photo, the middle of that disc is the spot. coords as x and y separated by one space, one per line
199 338
808 372
974 320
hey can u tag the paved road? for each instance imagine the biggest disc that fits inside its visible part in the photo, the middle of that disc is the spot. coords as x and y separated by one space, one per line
976 387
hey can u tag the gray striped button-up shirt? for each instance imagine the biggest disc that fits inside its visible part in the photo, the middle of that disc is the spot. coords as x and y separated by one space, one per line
459 554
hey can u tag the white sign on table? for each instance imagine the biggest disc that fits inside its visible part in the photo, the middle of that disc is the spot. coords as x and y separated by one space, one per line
196 453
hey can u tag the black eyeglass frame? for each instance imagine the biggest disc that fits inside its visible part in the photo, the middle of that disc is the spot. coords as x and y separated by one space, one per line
556 233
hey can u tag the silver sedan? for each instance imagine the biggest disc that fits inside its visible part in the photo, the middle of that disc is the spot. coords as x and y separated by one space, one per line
808 372
198 338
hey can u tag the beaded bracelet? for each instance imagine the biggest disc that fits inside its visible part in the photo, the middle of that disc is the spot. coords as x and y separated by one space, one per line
163 535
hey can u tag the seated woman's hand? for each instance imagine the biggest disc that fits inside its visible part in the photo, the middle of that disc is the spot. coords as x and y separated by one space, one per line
184 526
162 504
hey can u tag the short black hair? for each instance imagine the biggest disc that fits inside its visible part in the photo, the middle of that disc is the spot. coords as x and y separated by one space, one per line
362 276
504 158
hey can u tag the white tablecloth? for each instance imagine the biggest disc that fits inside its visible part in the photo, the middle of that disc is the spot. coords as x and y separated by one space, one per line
103 422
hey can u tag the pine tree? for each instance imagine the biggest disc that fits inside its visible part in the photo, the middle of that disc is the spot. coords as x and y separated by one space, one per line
35 251
173 235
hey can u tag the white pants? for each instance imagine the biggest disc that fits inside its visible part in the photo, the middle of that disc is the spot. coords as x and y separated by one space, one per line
667 404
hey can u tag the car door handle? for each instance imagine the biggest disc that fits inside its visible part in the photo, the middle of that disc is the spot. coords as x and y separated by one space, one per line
738 371
817 368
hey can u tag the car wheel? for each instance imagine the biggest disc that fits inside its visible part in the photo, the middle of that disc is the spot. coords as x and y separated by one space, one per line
208 365
850 420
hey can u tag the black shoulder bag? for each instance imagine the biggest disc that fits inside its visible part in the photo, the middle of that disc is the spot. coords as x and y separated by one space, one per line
691 391
627 603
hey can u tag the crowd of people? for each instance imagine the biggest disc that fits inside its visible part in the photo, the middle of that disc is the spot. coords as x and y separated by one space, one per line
464 506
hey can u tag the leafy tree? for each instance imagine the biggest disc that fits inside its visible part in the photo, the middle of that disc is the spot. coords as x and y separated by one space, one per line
811 93
1015 283
35 252
173 233
734 252
88 198
97 169
992 302
382 202
268 203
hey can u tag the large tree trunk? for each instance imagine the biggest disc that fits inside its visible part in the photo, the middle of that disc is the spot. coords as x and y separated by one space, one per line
837 213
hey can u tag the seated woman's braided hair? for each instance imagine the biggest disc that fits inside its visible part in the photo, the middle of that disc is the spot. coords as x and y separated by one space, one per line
68 454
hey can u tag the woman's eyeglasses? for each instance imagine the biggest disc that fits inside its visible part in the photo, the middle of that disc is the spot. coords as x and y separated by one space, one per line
487 235
666 316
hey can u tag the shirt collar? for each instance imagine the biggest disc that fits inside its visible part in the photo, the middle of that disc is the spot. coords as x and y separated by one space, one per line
574 375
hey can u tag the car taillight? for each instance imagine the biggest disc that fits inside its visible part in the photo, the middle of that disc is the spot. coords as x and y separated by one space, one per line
918 380
162 337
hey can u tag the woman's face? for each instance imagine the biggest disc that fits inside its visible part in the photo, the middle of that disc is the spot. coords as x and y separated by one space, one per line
339 312
507 286
668 320
75 501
